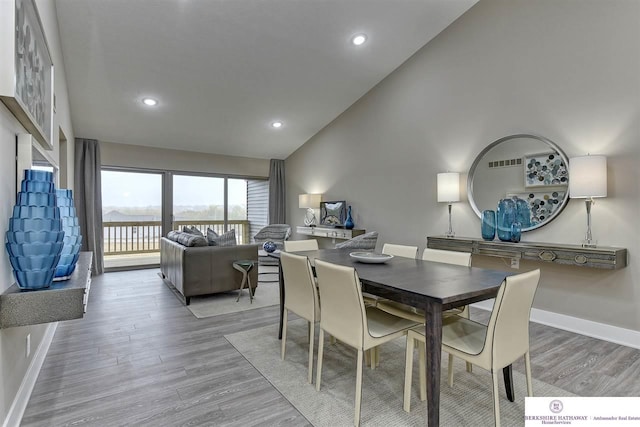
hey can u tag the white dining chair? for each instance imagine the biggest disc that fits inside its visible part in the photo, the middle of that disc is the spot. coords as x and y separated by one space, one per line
492 347
400 250
344 316
300 245
301 298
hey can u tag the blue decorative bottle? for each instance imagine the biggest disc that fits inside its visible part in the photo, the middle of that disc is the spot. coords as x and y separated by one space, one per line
505 216
348 224
35 235
488 226
72 236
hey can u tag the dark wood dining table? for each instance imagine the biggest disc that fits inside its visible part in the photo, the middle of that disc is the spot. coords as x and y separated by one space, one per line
430 286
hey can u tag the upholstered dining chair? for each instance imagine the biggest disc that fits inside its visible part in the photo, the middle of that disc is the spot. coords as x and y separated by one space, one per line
492 347
344 316
400 250
415 314
364 242
301 245
302 298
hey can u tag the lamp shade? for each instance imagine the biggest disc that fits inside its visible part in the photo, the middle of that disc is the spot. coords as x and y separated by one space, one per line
309 201
449 187
587 177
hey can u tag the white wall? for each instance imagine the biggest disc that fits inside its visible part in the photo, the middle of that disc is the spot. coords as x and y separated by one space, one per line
566 70
13 363
136 156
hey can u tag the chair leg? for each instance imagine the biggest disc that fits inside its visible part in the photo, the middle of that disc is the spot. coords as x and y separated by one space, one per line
356 421
408 371
332 340
312 332
450 370
469 367
496 398
284 333
422 365
320 351
374 357
527 367
377 356
467 315
367 357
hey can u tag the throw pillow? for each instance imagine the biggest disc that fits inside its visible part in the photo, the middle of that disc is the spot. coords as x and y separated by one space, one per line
212 236
226 239
192 230
187 239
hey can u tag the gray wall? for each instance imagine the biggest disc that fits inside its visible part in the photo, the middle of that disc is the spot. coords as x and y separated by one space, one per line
135 156
567 70
13 363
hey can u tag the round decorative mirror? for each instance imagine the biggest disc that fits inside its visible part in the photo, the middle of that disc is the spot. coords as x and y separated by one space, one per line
528 167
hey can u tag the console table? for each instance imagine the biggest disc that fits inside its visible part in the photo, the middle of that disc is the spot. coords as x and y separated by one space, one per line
332 233
604 257
64 300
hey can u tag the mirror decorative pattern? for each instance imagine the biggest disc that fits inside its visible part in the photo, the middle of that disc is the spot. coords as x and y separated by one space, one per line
522 167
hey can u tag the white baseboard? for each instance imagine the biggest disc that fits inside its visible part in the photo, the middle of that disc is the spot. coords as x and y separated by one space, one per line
601 331
16 411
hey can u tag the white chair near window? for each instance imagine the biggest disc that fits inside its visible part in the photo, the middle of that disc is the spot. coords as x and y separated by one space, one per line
493 347
345 316
400 250
302 298
300 245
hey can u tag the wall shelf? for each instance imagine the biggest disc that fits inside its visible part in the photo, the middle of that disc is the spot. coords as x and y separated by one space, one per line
604 257
64 300
331 233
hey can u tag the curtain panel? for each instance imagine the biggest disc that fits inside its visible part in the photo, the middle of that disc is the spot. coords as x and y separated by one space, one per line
276 192
88 199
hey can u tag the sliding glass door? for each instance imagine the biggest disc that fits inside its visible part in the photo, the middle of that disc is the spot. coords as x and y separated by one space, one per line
131 217
139 207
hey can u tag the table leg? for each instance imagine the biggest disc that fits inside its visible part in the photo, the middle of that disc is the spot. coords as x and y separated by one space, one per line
433 335
281 284
508 382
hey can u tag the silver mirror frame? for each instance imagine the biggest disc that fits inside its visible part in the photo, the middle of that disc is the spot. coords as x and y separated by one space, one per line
478 158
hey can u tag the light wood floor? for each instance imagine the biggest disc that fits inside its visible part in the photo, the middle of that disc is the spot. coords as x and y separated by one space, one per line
139 357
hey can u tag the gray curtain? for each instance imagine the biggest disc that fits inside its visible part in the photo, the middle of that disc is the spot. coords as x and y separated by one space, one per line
276 192
88 199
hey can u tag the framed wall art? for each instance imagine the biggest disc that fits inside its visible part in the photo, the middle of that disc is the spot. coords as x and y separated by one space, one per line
26 69
544 169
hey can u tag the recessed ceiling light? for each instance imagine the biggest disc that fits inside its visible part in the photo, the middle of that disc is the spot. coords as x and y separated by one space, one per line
276 124
150 102
359 39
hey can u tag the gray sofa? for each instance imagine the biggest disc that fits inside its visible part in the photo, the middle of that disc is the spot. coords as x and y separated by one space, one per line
203 270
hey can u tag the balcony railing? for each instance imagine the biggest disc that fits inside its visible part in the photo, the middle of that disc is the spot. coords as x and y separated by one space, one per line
138 237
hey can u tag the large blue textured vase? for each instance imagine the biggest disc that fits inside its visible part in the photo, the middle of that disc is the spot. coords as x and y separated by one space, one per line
35 235
505 216
72 236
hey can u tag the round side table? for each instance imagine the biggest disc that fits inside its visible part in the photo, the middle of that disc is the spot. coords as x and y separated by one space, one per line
244 266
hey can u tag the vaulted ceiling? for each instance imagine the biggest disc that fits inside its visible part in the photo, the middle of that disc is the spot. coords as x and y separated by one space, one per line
223 71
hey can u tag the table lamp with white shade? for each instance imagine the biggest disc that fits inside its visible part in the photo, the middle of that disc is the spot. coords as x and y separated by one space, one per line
309 202
587 180
449 192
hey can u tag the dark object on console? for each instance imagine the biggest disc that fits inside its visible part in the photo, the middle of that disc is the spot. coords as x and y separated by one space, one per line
333 213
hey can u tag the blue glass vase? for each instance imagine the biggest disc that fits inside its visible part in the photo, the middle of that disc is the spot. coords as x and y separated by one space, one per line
72 236
35 235
505 216
523 213
488 226
348 224
516 232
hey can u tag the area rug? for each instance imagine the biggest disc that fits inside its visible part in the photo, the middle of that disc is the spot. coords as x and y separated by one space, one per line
267 294
468 403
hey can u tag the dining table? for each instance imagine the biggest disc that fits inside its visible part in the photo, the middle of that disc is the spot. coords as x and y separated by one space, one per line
430 286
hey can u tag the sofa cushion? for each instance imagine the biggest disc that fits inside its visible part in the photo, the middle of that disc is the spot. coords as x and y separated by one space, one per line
187 239
365 241
225 239
192 230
